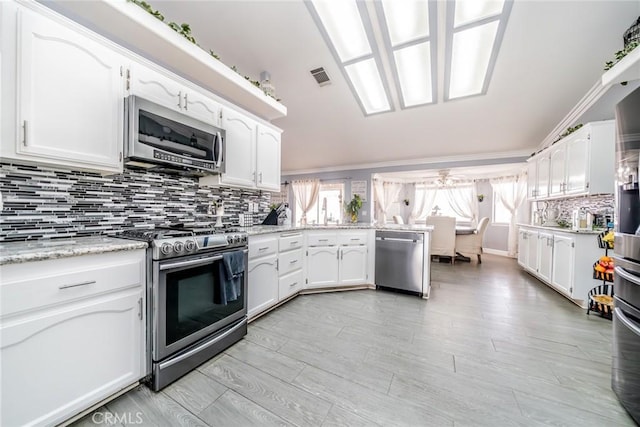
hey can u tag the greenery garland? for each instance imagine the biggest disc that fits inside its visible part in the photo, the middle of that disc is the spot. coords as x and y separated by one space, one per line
619 55
185 31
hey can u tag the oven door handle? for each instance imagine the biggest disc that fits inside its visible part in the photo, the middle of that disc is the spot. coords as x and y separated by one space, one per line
626 321
192 262
626 275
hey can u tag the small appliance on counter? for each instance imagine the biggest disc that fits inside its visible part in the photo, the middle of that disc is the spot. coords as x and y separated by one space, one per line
582 220
551 215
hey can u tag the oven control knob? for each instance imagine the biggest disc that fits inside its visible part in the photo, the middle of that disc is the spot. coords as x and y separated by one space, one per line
244 239
236 239
166 248
178 246
230 239
190 245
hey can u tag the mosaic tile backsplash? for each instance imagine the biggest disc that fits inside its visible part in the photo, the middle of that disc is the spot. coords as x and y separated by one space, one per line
40 202
598 204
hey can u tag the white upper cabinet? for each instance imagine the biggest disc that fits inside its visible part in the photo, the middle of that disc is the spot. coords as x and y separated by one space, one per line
532 179
580 164
557 160
170 92
70 93
252 154
577 164
543 176
240 147
268 159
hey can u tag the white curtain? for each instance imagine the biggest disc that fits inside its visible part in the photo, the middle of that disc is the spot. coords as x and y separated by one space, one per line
511 192
306 194
463 199
386 193
424 197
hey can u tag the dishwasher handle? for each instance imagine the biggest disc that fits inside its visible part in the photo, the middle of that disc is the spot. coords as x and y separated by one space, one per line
396 239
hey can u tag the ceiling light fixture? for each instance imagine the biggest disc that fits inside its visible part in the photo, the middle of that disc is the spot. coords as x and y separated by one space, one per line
475 29
408 30
346 28
443 180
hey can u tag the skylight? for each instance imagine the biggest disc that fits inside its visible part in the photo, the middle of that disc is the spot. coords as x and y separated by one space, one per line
408 29
346 27
474 33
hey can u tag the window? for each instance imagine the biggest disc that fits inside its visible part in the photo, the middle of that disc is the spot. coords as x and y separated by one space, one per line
329 204
444 207
501 214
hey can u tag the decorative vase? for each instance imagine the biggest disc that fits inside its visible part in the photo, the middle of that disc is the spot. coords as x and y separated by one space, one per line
354 218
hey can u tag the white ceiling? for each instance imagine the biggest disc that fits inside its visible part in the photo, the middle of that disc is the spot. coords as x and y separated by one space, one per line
552 53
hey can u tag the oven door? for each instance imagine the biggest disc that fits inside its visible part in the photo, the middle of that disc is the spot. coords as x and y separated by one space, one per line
193 299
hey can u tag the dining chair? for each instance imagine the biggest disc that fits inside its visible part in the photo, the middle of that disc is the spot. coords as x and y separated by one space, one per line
443 236
471 244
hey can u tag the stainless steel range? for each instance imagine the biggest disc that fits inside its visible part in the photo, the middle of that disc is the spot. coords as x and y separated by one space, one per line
196 293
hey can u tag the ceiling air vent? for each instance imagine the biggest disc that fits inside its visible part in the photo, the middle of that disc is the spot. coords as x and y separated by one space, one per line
321 76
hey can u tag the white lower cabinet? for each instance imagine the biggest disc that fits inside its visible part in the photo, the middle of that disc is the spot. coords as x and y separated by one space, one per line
564 260
83 340
263 274
531 263
322 266
545 255
337 258
353 265
290 264
563 263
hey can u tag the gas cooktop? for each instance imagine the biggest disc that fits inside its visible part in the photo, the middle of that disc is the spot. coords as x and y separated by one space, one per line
186 239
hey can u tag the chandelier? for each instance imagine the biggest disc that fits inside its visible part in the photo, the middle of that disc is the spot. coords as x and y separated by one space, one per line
443 179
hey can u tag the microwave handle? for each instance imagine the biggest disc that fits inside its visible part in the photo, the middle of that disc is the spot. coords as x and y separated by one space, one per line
219 159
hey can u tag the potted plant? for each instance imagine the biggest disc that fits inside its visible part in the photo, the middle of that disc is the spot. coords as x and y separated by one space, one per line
353 207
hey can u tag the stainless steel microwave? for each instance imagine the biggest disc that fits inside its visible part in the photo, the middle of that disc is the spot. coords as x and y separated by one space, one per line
160 138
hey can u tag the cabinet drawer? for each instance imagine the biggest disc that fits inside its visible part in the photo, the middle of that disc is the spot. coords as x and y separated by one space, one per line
290 284
290 241
40 284
352 238
322 239
289 261
261 246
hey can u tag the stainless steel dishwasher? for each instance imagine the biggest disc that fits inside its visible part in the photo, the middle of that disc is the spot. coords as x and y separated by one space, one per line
400 261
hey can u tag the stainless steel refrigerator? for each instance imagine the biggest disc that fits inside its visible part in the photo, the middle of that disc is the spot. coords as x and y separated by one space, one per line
625 378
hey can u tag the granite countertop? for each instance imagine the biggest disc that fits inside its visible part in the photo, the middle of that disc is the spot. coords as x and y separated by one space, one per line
266 229
39 250
564 229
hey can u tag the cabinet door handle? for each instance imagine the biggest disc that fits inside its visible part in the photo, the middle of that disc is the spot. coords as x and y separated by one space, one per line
294 243
180 100
140 308
260 177
24 133
293 261
186 101
342 254
323 240
293 284
263 249
75 285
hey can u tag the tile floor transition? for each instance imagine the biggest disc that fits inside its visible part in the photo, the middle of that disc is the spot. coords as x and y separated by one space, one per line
493 346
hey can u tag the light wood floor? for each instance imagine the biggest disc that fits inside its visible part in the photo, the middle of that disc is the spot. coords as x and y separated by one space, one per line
492 346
